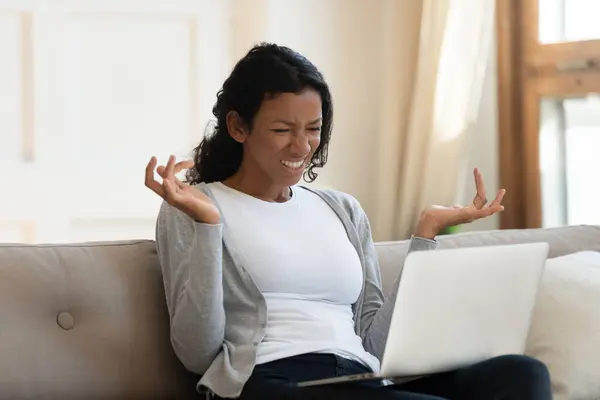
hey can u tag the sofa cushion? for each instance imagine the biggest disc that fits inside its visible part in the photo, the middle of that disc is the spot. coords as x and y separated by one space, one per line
562 241
85 320
566 323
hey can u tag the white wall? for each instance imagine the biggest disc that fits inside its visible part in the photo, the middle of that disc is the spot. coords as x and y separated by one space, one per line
94 88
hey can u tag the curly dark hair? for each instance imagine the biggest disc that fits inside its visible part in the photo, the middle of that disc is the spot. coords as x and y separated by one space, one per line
266 71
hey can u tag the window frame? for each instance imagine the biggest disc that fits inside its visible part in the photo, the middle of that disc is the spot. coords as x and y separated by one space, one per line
527 72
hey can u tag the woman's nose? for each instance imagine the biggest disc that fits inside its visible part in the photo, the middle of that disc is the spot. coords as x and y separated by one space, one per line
301 144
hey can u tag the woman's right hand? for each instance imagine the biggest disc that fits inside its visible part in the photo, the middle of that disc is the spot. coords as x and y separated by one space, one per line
182 196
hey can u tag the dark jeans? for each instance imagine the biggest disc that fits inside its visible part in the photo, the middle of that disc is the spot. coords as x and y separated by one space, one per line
500 378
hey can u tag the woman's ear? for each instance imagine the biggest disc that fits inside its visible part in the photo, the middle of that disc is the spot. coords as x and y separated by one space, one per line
236 127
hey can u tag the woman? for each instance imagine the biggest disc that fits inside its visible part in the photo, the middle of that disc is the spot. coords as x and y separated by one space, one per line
269 283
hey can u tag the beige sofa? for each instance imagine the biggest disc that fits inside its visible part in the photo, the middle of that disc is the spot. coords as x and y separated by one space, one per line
86 321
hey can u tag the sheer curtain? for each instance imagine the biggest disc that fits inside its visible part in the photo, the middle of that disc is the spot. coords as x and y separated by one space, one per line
433 91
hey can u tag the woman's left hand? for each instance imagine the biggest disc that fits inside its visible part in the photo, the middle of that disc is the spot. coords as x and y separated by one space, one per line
435 218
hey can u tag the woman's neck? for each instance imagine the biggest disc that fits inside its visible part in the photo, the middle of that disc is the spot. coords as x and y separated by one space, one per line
259 188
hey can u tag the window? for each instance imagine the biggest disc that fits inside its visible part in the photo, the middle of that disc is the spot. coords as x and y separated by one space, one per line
568 20
549 81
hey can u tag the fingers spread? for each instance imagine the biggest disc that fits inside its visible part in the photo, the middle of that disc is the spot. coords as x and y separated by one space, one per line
150 182
480 197
169 172
181 165
150 170
168 190
498 200
161 170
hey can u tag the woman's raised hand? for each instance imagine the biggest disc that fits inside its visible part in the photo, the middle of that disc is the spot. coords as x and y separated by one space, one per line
435 218
182 196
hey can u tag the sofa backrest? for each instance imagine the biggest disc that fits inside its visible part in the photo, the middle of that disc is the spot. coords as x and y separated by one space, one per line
562 241
85 321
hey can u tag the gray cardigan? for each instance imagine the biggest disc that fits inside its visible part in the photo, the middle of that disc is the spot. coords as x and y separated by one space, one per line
217 313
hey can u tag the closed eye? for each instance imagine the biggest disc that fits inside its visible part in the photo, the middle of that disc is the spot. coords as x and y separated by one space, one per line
283 130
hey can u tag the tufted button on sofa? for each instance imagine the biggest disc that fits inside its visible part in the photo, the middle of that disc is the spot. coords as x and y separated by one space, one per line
86 321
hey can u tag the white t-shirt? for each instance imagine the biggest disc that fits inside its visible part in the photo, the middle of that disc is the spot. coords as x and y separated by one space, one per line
299 255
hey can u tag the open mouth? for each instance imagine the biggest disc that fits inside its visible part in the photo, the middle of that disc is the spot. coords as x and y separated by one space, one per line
294 165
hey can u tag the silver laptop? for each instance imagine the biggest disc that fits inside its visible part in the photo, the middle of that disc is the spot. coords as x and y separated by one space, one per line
457 307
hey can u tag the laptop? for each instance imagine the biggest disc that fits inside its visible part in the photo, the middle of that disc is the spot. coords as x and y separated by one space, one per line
457 307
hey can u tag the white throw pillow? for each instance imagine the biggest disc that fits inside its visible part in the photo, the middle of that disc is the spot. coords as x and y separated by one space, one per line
565 330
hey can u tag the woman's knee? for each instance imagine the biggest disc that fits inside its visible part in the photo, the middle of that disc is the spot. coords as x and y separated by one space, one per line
507 377
522 367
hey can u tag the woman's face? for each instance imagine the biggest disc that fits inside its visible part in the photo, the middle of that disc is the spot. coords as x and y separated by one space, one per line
285 134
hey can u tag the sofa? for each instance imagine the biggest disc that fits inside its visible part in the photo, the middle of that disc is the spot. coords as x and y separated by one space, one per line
89 321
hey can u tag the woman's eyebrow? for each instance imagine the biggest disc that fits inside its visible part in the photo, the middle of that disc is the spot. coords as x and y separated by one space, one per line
292 123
